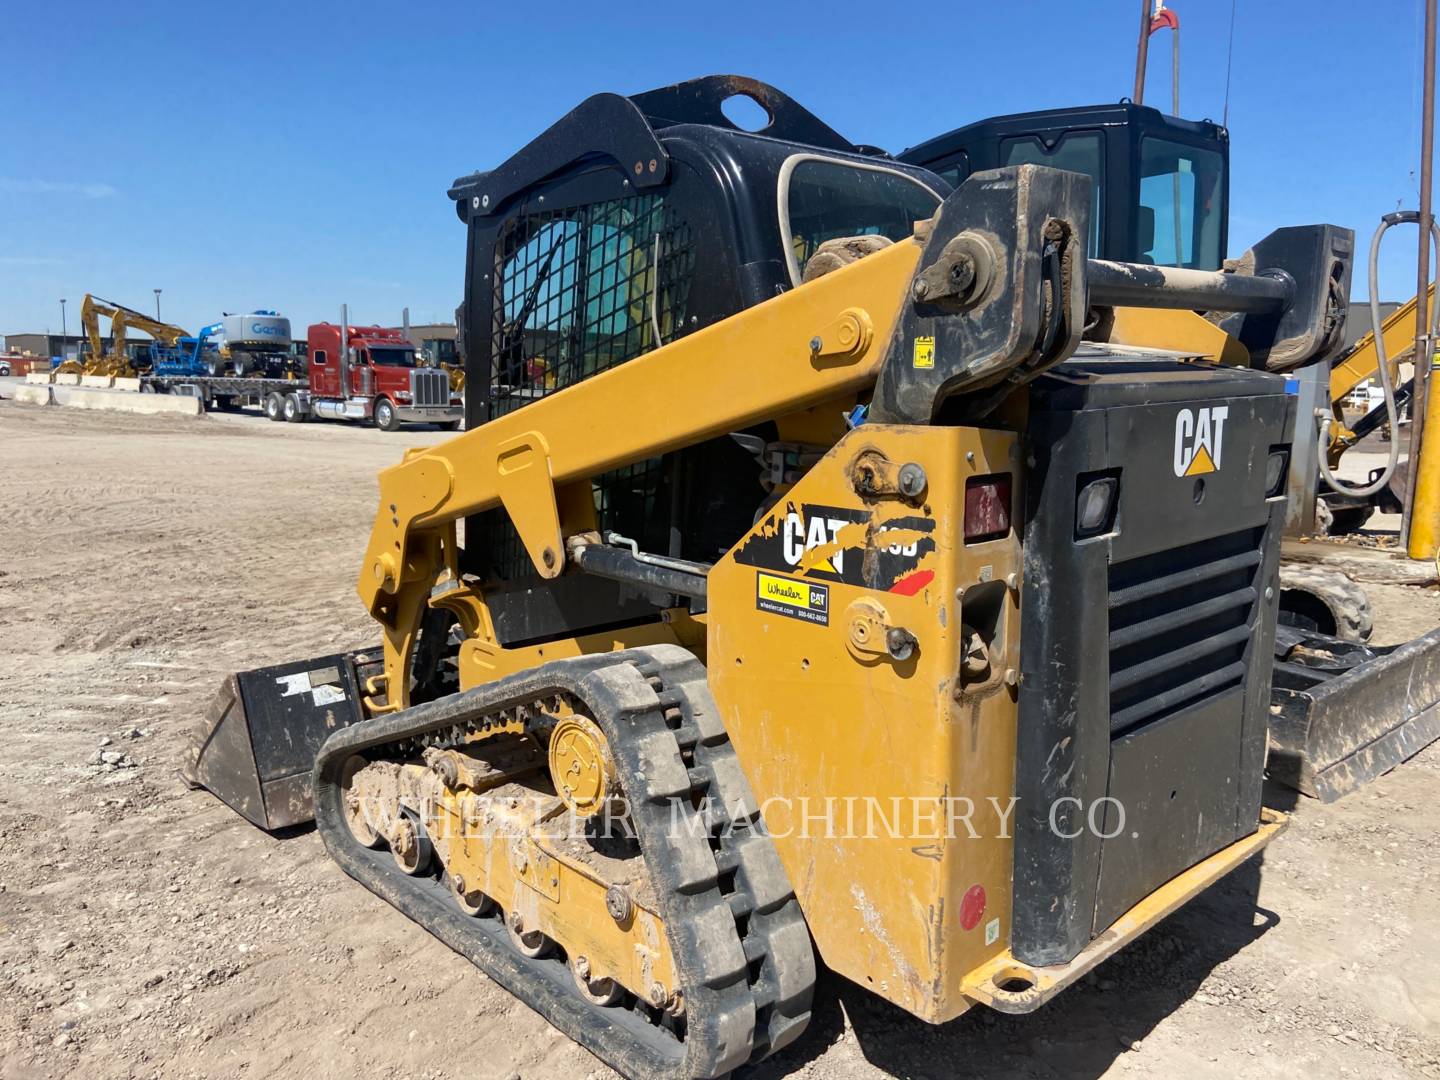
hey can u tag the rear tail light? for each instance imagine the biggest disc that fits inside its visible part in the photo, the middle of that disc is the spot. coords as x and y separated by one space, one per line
987 507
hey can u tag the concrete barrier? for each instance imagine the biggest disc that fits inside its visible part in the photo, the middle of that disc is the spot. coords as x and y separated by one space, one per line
99 382
85 397
38 378
31 394
131 385
66 380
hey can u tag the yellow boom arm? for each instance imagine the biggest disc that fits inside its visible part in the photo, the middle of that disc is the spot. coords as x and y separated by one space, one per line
90 311
758 364
1362 361
121 318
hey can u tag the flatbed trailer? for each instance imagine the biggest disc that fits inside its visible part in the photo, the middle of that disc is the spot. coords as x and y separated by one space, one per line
232 391
428 399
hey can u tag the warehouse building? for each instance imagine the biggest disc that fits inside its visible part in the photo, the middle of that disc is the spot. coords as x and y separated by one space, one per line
68 346
45 344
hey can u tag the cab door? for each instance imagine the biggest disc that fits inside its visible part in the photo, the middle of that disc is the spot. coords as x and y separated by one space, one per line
324 381
362 375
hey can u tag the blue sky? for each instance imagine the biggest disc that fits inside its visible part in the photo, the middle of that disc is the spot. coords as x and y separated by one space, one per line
296 155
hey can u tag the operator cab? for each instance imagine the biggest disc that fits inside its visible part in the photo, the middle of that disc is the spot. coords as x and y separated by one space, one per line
633 222
1161 183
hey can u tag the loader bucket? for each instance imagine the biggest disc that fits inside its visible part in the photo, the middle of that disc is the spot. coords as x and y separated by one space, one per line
1343 713
256 745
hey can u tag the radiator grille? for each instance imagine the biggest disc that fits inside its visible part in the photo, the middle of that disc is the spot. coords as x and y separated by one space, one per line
1180 624
429 387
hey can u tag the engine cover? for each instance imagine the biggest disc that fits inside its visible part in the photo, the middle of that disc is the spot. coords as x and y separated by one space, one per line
1149 610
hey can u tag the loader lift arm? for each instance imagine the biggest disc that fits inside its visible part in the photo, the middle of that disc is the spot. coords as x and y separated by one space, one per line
508 461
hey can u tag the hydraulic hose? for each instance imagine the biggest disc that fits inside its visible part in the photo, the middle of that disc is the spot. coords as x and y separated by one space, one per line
1399 217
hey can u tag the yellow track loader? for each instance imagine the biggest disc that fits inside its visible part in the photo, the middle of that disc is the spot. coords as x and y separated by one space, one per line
824 596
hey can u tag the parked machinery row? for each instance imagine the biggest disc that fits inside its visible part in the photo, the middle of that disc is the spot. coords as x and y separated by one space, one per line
251 360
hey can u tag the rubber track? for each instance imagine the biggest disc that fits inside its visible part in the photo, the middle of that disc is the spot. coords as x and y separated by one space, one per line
741 948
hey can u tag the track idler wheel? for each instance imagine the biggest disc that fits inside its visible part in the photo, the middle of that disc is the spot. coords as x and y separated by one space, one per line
410 846
581 767
355 818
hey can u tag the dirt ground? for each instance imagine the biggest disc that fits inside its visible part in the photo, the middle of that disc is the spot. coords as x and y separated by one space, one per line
148 931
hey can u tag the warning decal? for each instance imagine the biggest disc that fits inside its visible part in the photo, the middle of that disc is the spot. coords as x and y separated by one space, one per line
924 352
802 600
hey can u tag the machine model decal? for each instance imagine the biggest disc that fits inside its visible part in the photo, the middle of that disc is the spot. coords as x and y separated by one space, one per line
924 352
843 544
802 600
1199 439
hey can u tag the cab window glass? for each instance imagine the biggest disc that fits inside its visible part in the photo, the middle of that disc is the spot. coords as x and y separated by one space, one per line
1077 152
955 170
826 200
392 356
1180 209
582 289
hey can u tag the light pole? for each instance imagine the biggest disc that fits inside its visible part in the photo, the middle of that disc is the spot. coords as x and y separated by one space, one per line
63 334
157 305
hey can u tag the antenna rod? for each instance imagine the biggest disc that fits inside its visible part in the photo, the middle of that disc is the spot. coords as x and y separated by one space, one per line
1141 52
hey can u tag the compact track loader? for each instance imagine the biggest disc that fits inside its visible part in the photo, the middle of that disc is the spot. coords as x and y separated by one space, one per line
823 593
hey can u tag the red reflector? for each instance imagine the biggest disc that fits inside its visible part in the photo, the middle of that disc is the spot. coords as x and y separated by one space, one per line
987 507
972 907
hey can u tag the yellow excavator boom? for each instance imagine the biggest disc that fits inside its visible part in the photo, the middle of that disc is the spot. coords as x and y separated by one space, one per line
90 311
116 362
1362 361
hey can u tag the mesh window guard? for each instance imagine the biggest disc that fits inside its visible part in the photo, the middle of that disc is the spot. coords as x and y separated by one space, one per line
579 290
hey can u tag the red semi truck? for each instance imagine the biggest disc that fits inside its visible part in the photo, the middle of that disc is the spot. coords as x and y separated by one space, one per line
375 379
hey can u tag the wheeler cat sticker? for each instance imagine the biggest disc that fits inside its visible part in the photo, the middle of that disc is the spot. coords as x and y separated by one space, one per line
844 544
1199 439
802 600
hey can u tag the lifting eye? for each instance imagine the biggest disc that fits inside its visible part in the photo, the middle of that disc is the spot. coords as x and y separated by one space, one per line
746 113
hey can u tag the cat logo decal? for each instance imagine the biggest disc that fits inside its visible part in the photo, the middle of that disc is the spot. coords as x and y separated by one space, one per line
1199 440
